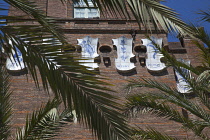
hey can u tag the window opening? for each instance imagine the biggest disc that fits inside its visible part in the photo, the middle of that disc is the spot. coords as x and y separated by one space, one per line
81 10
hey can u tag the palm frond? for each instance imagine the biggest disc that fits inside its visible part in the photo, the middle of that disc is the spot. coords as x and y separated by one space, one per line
153 84
37 15
177 65
205 15
116 7
202 88
42 124
203 37
203 79
155 15
82 91
70 81
151 13
150 133
158 105
201 34
158 108
77 89
175 97
5 103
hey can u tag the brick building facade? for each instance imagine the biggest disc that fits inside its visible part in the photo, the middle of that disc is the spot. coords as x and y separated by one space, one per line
105 27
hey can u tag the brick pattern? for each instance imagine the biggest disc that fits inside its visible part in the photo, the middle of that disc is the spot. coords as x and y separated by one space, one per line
26 98
56 8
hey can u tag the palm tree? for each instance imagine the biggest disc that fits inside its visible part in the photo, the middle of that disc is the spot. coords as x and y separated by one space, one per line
162 102
69 81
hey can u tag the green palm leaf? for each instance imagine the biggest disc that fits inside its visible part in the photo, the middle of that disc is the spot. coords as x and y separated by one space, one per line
150 133
5 103
31 10
69 81
151 13
77 89
203 37
42 124
160 103
175 97
202 88
205 15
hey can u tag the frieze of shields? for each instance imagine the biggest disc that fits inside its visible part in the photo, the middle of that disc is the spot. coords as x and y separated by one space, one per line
153 62
181 83
124 53
15 61
89 51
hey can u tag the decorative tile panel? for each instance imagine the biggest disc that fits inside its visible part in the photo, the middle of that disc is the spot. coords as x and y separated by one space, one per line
153 62
181 83
89 51
124 53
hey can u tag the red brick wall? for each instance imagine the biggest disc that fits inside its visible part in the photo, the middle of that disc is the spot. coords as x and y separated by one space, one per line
26 97
56 8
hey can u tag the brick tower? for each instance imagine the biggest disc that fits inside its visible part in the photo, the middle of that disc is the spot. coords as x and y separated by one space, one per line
81 22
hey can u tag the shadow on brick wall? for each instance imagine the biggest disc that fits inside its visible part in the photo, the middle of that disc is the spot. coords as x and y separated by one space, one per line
18 73
127 73
159 73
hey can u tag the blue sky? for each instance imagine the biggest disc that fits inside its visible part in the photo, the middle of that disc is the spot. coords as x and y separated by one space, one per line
3 5
186 8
